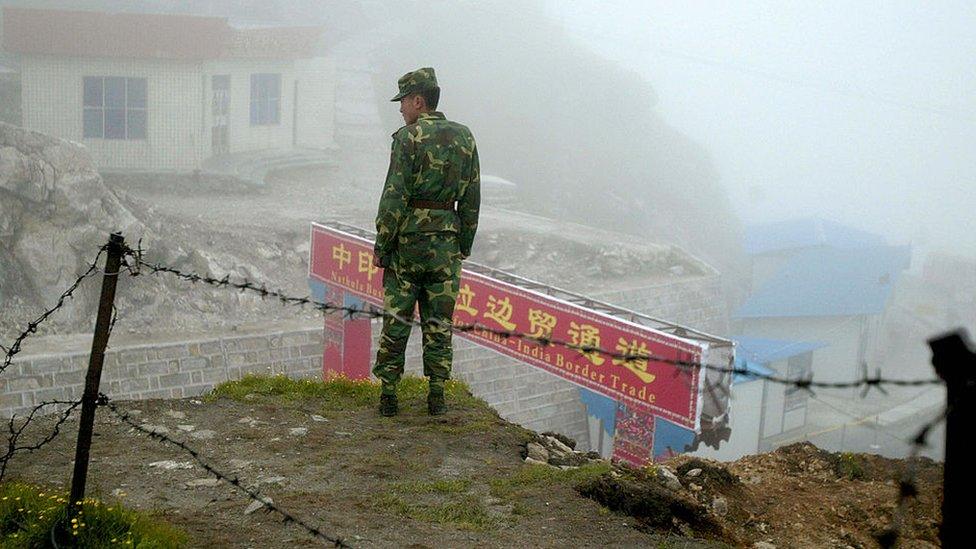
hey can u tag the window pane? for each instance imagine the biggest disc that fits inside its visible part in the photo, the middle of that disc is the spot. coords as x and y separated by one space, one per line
135 124
274 86
114 124
114 92
93 123
93 92
135 97
254 111
273 112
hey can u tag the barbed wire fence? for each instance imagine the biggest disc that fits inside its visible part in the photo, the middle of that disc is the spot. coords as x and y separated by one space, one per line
134 264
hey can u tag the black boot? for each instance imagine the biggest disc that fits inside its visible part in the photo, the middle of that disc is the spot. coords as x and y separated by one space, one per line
435 404
388 405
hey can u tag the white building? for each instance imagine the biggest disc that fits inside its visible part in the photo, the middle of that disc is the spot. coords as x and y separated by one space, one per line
166 92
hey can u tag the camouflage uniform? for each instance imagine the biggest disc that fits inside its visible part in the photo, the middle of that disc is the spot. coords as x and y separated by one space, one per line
422 237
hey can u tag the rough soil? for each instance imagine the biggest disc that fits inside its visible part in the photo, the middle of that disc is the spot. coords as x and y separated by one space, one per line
351 474
796 496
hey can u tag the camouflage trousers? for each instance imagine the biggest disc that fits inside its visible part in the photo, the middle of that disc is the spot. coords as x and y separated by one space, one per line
424 272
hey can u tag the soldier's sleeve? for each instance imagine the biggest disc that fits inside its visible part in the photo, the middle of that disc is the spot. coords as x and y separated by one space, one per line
394 202
469 203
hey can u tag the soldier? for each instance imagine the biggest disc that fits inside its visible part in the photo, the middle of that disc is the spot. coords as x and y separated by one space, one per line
425 226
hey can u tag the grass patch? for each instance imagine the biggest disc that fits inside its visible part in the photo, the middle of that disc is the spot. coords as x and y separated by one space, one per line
848 465
441 486
531 478
28 513
467 512
337 392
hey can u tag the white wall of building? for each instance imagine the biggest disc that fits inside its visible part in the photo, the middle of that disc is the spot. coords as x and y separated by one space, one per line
745 420
848 338
316 102
175 136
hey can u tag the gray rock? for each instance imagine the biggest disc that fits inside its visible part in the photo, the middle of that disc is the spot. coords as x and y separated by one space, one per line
255 505
239 463
203 434
298 431
186 428
176 414
202 482
763 545
155 428
318 418
668 478
557 446
169 464
692 473
531 461
720 506
537 451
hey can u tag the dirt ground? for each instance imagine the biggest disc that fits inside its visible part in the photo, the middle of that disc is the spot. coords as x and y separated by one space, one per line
459 480
412 480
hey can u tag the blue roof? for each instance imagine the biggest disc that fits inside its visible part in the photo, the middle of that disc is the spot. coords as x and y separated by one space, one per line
754 354
829 282
809 232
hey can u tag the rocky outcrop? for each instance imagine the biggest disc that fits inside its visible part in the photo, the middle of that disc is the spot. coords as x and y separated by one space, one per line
55 212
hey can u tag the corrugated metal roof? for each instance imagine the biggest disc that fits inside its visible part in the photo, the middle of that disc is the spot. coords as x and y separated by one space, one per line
148 36
829 282
809 232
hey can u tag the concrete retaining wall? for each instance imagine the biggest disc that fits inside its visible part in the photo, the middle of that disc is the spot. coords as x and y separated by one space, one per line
161 370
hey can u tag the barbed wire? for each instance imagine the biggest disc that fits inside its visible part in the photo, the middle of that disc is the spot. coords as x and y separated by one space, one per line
17 430
253 494
866 381
12 350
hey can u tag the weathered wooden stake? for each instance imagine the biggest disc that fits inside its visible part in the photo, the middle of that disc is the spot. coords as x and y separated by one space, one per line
99 342
955 362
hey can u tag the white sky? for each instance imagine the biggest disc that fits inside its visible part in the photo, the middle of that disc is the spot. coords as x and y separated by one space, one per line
862 112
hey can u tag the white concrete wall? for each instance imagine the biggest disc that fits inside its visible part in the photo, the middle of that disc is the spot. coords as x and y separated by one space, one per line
316 102
839 361
745 422
242 135
176 138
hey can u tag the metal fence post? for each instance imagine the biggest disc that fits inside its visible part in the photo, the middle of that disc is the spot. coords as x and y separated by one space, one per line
955 362
99 342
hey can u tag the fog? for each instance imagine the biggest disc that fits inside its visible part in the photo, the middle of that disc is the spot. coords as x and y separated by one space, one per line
687 124
862 112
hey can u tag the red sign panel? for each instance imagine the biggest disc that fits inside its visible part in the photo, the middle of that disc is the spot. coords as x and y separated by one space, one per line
666 390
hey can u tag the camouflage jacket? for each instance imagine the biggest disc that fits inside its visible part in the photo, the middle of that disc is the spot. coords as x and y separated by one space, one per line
436 160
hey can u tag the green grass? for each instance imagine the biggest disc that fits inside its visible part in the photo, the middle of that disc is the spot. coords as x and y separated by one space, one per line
441 486
28 513
531 478
337 392
466 511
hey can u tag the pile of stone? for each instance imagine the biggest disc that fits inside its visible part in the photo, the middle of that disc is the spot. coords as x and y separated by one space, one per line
557 450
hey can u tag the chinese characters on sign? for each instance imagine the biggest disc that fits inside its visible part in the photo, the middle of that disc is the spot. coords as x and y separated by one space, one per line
498 310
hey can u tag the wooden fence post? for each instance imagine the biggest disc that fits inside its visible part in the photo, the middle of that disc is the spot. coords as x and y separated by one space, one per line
99 342
955 362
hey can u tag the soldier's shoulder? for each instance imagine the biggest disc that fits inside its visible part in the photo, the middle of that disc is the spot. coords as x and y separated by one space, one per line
403 132
460 129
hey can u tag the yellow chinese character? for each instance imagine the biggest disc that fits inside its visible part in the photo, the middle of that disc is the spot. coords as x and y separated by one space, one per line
637 358
465 296
500 310
585 335
341 254
541 324
366 265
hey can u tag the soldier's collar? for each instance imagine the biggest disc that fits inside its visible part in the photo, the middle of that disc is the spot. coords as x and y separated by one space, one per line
433 115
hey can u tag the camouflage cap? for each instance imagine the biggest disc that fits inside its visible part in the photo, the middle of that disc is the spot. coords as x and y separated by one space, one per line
416 81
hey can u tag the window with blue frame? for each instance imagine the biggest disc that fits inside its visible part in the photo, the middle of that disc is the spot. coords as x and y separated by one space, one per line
265 99
114 107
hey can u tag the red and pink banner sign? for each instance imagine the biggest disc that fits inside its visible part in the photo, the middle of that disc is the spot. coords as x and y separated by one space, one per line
344 260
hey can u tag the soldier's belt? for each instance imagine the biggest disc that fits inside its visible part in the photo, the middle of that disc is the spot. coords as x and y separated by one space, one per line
432 205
